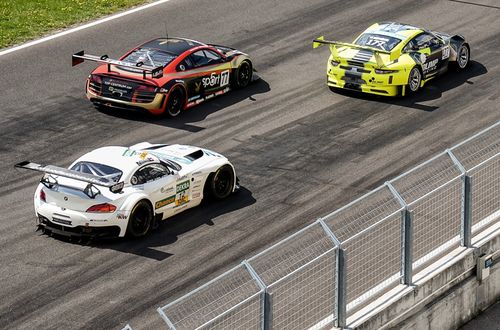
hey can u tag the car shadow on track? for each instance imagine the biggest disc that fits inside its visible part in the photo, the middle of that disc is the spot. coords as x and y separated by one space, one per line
169 230
198 113
433 90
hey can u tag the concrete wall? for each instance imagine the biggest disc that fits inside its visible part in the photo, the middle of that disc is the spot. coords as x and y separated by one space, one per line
445 296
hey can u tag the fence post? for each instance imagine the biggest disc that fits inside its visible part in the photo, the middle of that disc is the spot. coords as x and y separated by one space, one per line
340 278
466 225
265 301
406 237
407 247
467 212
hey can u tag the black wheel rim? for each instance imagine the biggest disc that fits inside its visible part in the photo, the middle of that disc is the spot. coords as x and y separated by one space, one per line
141 220
174 104
244 74
222 183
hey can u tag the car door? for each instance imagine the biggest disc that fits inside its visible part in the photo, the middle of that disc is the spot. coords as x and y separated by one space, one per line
158 182
431 56
213 69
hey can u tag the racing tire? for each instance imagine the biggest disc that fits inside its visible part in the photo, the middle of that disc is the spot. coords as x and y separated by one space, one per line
219 185
243 75
463 57
140 219
175 102
414 79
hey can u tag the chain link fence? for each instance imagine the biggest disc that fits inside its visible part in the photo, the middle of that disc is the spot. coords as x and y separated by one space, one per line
318 276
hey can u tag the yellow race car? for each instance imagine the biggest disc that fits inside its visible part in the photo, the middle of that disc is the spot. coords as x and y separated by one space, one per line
393 59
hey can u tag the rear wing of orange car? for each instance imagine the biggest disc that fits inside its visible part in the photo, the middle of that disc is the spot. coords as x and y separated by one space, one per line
80 57
49 181
335 44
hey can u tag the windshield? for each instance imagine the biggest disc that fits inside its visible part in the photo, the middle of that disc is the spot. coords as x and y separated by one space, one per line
149 56
98 169
377 41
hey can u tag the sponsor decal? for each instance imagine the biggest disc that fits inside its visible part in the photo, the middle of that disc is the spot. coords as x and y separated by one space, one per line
129 153
63 221
193 98
215 79
165 201
97 220
423 58
115 84
182 196
196 194
121 216
144 161
197 86
429 66
163 90
143 155
165 190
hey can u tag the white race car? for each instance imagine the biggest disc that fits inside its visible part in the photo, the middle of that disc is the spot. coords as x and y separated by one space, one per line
118 191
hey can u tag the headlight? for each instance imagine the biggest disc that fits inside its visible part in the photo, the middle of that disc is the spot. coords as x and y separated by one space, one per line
380 71
334 63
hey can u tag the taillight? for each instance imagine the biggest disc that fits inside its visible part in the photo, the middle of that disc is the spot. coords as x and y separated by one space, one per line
95 84
145 88
42 196
102 208
95 78
144 94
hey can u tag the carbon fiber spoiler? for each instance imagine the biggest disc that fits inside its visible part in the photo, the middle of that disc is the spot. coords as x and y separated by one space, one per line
113 186
334 44
81 57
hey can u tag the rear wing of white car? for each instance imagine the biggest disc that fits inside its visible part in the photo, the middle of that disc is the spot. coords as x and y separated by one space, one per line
335 44
114 187
81 57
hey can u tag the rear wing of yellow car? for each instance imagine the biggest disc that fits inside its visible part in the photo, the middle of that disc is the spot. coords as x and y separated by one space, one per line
80 57
335 44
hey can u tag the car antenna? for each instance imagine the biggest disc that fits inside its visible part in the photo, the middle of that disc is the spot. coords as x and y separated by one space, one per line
166 29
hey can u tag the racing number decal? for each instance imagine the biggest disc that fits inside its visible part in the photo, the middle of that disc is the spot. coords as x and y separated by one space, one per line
446 53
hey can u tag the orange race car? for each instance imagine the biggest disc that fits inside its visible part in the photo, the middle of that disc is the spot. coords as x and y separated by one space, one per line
166 75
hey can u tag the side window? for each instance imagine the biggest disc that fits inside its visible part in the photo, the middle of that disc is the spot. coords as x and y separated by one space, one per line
186 64
149 173
213 57
410 46
199 58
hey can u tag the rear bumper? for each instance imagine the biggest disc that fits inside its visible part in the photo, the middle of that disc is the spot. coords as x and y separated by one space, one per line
78 231
386 90
155 107
75 223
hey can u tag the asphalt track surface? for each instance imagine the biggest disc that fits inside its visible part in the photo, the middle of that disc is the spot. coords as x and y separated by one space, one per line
300 150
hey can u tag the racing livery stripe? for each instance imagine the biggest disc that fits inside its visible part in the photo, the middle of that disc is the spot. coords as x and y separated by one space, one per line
363 55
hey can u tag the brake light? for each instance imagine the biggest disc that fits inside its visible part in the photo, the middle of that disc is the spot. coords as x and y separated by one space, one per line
145 88
380 71
96 79
102 208
42 196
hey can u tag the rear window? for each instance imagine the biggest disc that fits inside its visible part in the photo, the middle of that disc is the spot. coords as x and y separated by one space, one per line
378 41
149 56
99 170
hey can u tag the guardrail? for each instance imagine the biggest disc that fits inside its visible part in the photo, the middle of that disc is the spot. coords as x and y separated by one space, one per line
318 276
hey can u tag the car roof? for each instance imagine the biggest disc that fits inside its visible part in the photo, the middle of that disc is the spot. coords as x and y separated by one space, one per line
175 46
122 158
394 29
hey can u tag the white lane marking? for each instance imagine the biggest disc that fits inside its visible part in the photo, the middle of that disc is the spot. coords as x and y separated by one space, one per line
81 27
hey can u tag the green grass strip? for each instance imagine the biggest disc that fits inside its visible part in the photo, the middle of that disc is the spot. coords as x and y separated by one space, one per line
22 20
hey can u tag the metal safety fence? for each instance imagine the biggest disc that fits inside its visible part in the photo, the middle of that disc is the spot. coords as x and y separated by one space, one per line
318 276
